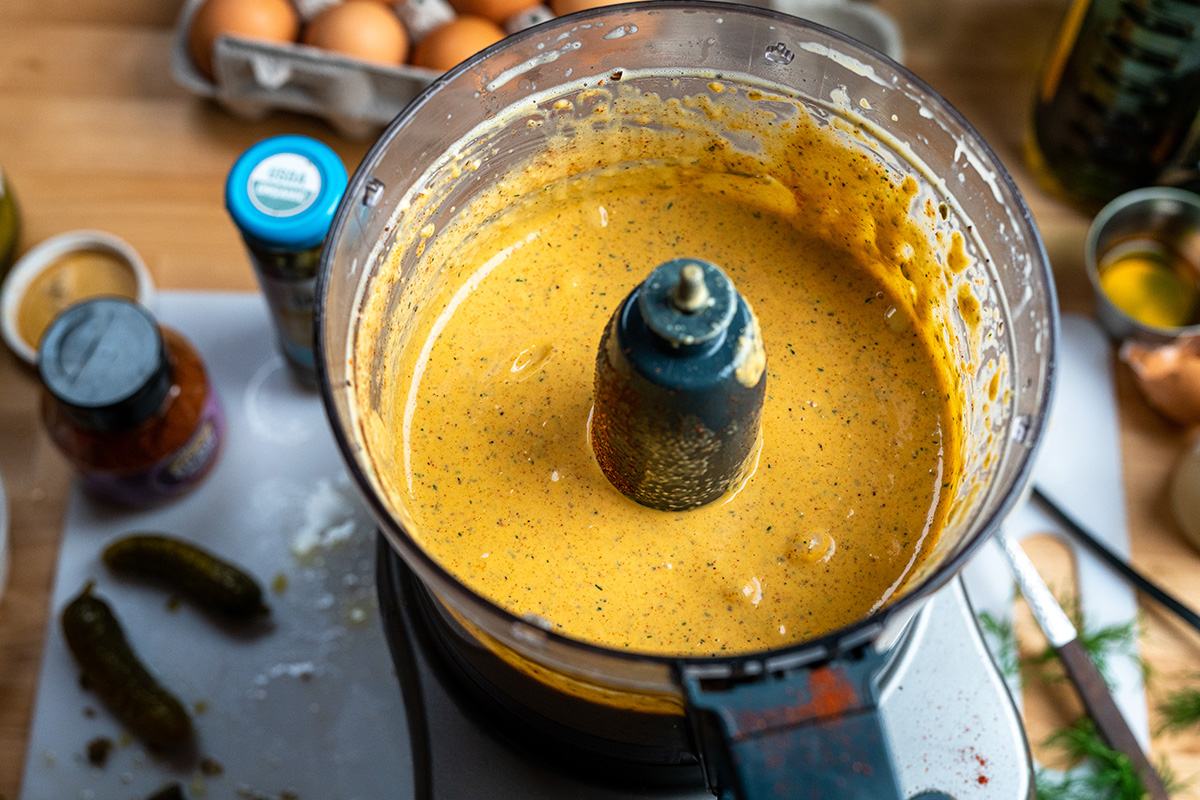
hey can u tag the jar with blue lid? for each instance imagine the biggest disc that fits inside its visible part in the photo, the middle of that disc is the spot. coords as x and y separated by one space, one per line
282 194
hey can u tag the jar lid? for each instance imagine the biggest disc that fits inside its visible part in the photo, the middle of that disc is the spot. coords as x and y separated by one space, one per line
284 191
105 362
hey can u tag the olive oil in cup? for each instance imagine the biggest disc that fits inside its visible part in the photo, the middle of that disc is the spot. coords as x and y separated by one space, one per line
1143 259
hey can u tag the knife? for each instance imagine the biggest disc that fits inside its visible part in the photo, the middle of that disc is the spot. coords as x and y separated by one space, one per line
1147 586
1093 691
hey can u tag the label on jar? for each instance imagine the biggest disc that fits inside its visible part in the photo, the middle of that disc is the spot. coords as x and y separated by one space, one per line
291 303
284 185
170 476
8 227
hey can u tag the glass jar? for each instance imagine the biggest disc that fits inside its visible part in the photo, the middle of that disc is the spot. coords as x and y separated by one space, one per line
282 193
128 402
1117 98
10 226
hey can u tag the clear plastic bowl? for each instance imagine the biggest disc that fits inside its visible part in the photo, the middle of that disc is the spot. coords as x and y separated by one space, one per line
679 48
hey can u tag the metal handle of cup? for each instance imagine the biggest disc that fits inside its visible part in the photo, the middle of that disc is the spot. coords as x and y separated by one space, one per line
811 732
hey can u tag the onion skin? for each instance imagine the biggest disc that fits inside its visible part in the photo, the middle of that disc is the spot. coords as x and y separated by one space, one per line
1169 377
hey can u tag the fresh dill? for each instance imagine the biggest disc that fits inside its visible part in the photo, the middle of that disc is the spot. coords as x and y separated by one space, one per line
1101 644
1104 773
1179 710
1101 773
1004 639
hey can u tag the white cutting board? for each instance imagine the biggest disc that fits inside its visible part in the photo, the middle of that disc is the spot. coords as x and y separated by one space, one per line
311 706
1079 466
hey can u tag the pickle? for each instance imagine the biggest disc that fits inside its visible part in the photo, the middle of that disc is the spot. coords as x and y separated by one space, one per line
214 584
172 791
113 671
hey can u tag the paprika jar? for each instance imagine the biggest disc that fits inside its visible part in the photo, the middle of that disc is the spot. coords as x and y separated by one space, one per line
129 402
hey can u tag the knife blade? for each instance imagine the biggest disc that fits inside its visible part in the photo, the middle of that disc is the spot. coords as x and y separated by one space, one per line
1088 682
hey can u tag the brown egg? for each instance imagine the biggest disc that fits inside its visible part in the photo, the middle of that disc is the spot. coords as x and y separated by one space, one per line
1169 377
363 29
270 20
563 7
455 41
498 11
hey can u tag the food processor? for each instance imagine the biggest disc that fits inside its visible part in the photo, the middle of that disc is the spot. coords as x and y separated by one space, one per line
806 720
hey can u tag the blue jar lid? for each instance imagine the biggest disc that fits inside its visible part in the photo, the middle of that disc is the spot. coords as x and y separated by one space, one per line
283 191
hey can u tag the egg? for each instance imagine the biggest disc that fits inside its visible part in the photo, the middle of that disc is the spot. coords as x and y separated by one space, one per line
495 10
270 20
456 41
564 7
363 29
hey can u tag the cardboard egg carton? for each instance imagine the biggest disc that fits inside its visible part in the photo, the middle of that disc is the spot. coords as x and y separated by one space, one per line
253 78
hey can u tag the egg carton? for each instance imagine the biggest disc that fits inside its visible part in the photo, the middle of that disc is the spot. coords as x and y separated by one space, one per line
357 98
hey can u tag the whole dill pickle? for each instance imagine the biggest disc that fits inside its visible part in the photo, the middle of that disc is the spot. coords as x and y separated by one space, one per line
113 671
211 582
172 791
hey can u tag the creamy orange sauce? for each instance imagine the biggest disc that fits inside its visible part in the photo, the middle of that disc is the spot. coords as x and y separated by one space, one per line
476 342
72 278
500 481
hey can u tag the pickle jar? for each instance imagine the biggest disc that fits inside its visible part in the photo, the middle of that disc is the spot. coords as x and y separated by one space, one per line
129 402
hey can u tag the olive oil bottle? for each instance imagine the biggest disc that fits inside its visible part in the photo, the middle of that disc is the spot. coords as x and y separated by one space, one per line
1117 98
10 226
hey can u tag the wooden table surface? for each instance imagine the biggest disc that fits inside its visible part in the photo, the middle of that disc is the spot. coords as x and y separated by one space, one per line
95 134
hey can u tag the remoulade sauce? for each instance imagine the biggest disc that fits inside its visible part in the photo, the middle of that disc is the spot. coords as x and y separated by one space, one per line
484 434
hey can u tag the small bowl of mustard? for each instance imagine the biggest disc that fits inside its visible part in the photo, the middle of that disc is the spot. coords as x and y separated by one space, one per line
1143 258
60 272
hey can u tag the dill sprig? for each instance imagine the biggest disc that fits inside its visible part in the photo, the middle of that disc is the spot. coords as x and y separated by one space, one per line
1101 645
1103 774
1179 710
1004 638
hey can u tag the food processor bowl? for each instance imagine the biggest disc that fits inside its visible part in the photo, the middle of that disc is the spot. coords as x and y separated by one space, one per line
991 301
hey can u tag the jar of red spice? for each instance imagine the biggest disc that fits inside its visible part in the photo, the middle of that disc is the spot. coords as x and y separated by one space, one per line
129 402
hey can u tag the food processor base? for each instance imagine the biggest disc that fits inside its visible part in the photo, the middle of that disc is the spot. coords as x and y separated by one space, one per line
951 723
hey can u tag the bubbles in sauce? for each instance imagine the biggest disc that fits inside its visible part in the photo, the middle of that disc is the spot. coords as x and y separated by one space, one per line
850 445
861 427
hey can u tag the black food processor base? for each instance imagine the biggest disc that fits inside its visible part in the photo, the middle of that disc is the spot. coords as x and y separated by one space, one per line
952 725
517 710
